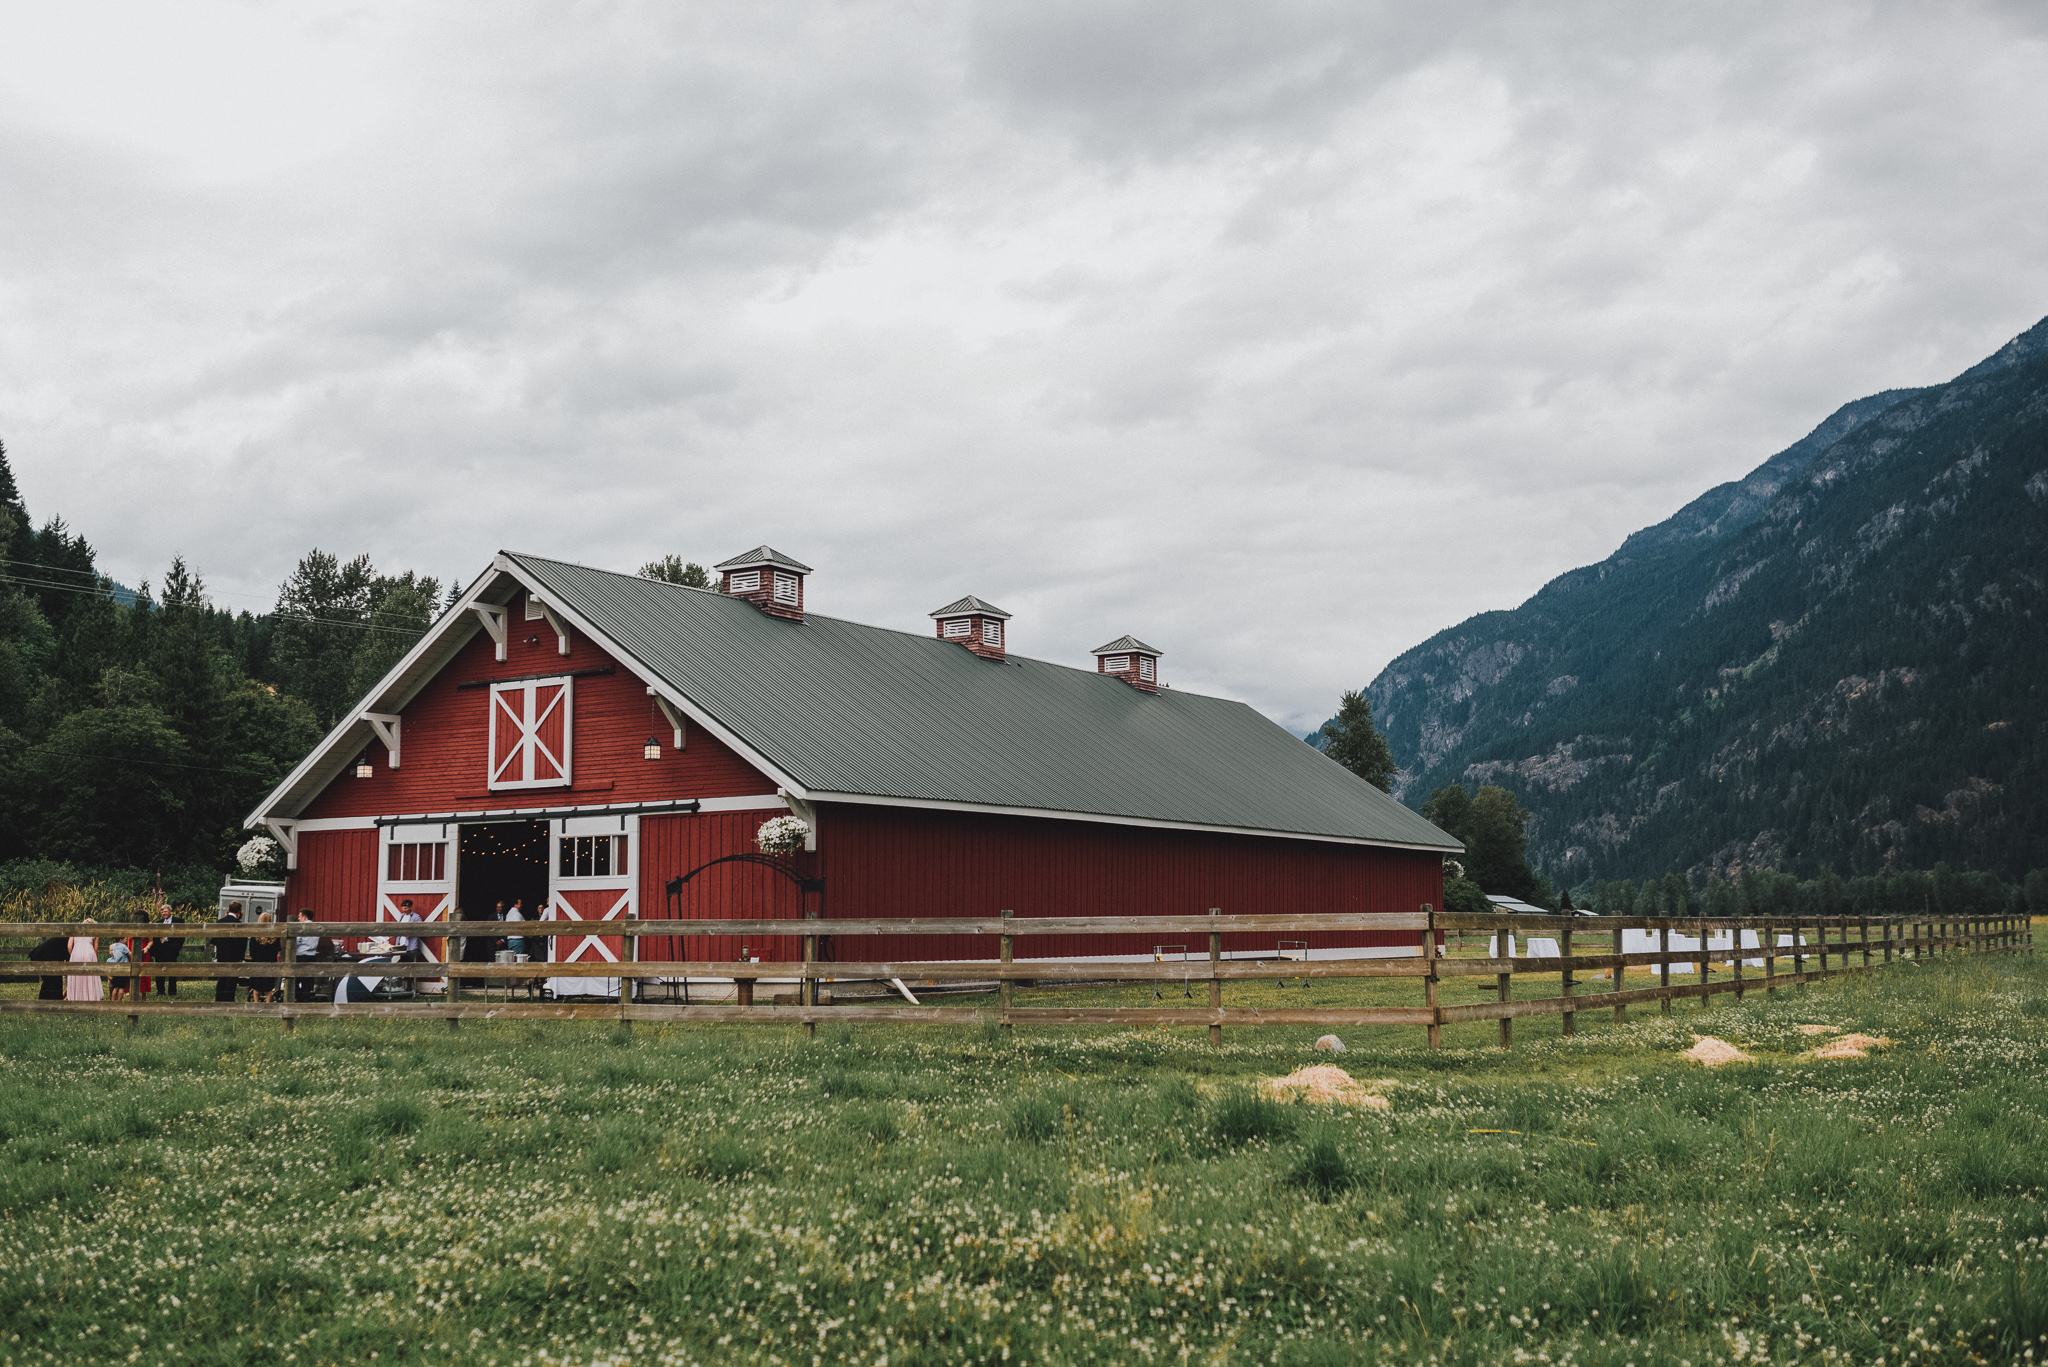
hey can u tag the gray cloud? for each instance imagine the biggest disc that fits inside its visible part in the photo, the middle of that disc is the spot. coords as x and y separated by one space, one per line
1281 335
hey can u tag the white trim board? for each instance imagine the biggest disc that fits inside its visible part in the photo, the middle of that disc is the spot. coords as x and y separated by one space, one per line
991 809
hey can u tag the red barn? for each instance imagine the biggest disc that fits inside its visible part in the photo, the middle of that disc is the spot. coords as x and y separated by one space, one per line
581 740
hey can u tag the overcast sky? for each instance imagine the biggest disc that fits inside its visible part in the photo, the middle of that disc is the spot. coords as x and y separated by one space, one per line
1281 335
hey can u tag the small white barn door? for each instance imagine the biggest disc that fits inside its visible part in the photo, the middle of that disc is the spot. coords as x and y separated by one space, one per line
416 864
593 878
531 733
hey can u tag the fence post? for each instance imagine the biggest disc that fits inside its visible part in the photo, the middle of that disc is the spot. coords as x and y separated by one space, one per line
1003 993
458 946
1770 939
1706 969
1863 934
291 981
1436 1024
1215 983
1798 956
1564 975
808 993
1620 981
628 987
1664 968
1735 941
1506 986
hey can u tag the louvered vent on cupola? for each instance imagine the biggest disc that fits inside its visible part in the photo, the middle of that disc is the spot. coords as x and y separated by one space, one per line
1131 660
979 626
768 579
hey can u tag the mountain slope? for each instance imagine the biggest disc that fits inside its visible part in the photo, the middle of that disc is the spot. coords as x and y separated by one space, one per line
1838 660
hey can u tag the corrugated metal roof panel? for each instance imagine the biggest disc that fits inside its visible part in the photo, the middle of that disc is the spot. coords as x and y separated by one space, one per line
860 710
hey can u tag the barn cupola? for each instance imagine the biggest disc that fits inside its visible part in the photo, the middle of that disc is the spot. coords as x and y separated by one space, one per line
768 579
977 625
1131 660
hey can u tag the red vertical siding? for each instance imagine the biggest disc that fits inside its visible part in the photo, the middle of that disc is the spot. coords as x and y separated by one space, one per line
894 861
336 876
446 741
674 845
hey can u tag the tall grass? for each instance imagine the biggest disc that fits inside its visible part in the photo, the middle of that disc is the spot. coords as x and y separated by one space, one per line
221 1192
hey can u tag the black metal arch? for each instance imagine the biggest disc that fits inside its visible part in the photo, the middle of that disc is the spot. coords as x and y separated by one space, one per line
674 886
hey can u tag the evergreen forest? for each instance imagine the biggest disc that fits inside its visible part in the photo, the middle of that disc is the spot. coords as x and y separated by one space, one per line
139 726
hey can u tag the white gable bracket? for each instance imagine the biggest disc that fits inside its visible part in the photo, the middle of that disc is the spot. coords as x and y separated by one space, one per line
804 812
386 724
493 618
287 833
672 715
561 631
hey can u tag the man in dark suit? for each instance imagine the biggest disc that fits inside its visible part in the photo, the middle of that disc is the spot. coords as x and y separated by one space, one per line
56 949
166 951
229 949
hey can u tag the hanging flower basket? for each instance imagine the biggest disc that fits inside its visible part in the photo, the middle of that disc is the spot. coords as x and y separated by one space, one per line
781 835
261 856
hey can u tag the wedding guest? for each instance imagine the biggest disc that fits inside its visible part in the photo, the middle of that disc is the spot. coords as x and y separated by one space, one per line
85 949
516 912
167 951
55 949
264 949
229 949
120 952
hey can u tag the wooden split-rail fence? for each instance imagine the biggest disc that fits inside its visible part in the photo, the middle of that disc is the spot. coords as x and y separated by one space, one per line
1587 945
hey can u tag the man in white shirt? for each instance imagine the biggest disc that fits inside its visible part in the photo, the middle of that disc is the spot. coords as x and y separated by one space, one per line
408 944
516 912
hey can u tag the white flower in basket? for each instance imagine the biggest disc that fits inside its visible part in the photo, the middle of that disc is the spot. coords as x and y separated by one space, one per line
781 835
260 855
1454 868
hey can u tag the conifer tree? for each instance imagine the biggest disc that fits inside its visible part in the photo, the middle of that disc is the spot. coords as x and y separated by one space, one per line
1354 742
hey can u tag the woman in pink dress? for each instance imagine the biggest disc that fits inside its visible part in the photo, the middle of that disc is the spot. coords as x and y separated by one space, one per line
84 987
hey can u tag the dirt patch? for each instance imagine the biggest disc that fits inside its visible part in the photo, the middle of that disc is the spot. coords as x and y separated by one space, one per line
1712 1053
1851 1046
1819 1029
1326 1083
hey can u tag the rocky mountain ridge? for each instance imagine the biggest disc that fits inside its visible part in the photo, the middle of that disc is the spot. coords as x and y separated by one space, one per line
1836 661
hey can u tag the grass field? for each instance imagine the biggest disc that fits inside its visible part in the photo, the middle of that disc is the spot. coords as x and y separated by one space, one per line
544 1193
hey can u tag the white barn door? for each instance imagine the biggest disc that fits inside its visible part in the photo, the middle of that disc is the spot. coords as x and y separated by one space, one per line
593 877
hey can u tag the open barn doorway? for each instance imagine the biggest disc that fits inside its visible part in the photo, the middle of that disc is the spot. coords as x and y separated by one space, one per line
500 861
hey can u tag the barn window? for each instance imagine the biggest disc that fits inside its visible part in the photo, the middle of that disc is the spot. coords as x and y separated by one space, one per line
958 627
744 581
422 862
1117 664
530 734
785 587
592 856
1144 666
533 608
991 633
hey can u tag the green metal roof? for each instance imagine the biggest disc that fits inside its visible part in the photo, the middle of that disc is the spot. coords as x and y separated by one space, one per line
762 555
844 708
967 605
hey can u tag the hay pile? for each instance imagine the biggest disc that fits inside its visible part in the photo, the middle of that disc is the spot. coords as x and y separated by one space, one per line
1326 1083
1712 1053
1851 1046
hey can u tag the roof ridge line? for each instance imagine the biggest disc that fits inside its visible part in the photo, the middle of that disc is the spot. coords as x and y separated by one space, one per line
867 626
